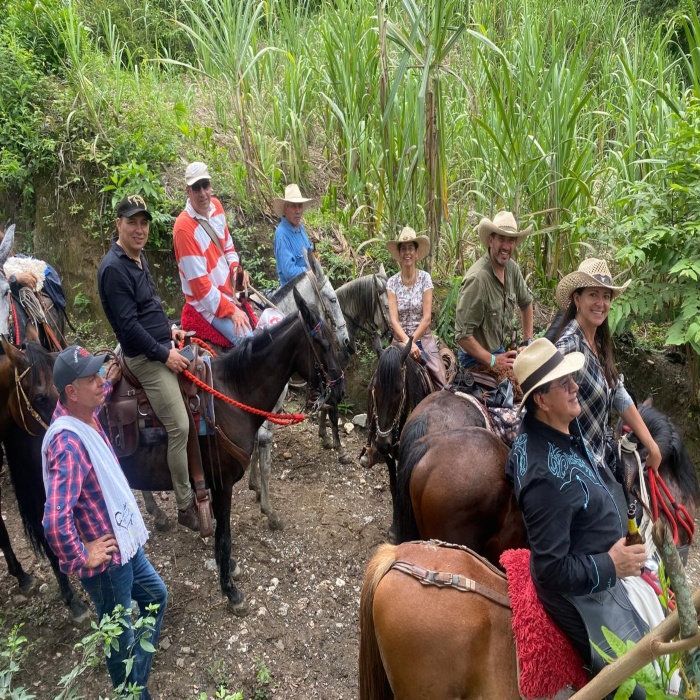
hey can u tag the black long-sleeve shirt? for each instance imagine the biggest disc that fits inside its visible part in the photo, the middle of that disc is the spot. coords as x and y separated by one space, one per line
132 305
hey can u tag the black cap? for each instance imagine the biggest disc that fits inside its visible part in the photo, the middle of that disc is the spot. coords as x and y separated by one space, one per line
133 204
75 362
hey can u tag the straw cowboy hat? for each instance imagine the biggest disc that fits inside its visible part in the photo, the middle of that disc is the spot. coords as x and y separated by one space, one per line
591 273
292 195
541 363
504 224
408 235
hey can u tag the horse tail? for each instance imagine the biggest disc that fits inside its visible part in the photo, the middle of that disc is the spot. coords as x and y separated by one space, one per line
374 684
24 460
411 451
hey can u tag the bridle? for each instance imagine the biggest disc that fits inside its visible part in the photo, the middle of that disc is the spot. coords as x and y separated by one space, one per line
324 308
23 398
399 410
327 382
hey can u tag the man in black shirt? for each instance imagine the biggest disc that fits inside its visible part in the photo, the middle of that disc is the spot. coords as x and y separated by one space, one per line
135 312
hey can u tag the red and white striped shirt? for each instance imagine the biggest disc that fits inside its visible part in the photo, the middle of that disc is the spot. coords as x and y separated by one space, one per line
205 274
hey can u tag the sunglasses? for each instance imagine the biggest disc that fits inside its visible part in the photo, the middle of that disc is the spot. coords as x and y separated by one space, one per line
201 185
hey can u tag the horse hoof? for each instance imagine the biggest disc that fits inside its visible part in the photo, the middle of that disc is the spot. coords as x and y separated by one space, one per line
237 573
27 584
238 604
162 524
79 613
345 458
274 522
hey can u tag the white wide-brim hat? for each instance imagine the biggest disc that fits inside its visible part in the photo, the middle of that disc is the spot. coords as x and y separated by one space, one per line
504 224
195 172
292 194
408 235
540 363
591 273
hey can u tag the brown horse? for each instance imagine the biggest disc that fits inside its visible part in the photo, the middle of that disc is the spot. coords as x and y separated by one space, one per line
419 641
452 486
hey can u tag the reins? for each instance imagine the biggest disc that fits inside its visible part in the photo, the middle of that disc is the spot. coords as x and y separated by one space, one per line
276 418
19 389
657 485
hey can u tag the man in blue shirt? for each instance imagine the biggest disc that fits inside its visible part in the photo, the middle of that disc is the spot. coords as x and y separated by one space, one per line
291 241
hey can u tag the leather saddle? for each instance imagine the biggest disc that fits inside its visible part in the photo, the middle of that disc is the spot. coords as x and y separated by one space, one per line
130 421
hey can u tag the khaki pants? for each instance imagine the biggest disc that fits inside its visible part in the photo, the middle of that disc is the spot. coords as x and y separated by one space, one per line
163 392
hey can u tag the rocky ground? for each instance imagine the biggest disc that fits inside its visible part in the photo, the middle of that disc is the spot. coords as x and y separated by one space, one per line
303 583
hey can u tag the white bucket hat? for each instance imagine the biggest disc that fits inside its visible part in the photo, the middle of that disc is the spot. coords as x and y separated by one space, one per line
591 273
292 194
541 363
504 224
408 235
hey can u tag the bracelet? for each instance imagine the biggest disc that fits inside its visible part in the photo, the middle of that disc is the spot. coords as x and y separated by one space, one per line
493 360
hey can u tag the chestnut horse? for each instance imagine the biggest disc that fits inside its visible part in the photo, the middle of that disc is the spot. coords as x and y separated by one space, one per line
27 396
420 641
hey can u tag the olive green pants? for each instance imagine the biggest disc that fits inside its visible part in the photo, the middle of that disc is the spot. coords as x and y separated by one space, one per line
163 392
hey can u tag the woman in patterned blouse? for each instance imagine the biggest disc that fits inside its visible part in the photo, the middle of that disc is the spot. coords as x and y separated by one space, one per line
410 294
585 297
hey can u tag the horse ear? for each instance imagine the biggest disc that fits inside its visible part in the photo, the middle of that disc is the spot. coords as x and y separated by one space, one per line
7 243
406 349
31 334
303 308
648 402
14 355
381 272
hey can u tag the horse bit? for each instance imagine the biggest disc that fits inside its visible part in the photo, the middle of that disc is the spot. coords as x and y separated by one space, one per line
27 403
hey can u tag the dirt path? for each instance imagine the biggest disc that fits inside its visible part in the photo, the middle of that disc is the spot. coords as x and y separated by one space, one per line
303 583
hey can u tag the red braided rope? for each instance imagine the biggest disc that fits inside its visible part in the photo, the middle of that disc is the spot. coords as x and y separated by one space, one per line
682 517
276 418
15 321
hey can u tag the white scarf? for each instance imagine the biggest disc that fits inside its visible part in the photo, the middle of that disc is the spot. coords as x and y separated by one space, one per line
124 513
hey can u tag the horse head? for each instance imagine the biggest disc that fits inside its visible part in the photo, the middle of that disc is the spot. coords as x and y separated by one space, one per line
389 395
329 374
329 303
382 319
33 396
5 249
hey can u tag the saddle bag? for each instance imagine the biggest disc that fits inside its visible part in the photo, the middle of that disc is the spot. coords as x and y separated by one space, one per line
125 408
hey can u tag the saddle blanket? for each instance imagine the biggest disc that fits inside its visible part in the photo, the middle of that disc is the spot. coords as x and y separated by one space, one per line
547 661
503 422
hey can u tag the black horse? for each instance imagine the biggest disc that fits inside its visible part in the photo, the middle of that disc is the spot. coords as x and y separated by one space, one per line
397 386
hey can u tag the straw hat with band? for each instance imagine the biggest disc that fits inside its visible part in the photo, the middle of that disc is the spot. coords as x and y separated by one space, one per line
504 224
292 195
591 273
541 363
408 235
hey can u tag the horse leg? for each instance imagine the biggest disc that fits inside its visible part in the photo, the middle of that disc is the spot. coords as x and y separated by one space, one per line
254 468
152 508
391 466
27 583
343 456
221 504
274 521
79 612
326 441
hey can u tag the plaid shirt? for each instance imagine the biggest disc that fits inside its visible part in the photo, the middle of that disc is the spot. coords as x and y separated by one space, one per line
75 510
596 397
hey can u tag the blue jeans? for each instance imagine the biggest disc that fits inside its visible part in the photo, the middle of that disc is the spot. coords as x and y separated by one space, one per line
467 361
119 585
228 330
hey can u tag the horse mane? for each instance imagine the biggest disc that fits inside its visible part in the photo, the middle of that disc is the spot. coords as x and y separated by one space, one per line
673 451
411 450
237 361
390 374
356 298
40 361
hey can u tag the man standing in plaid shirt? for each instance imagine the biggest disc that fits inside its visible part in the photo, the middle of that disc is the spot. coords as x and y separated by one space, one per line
91 519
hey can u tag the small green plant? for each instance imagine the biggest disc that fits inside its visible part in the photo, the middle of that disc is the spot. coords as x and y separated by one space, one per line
11 657
262 678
